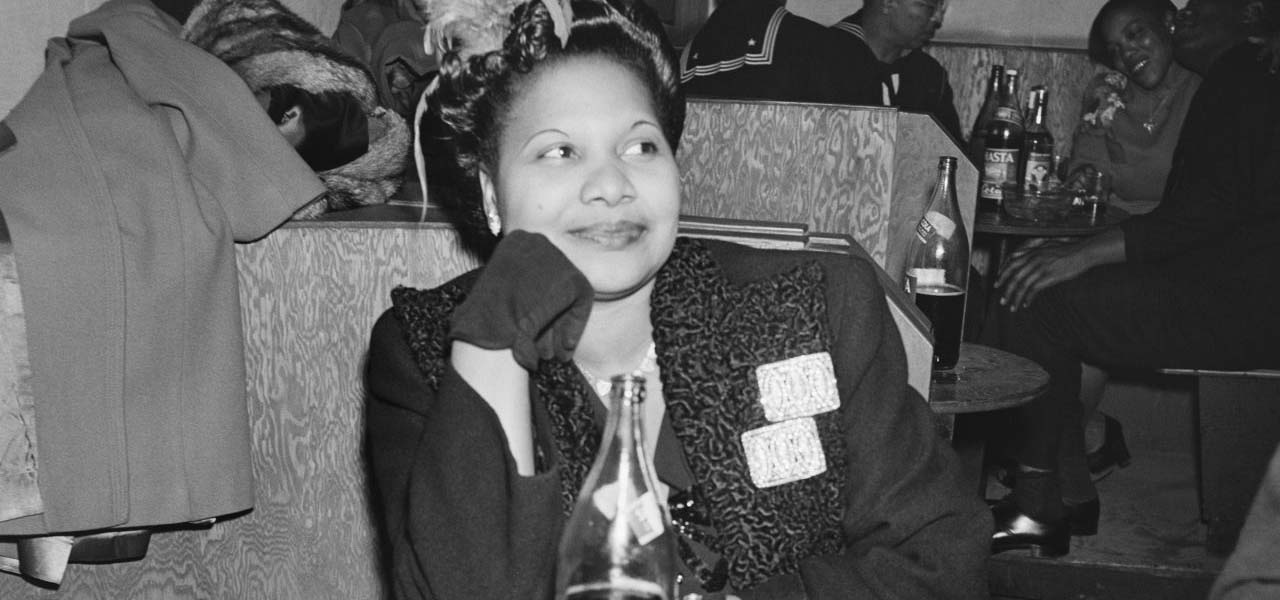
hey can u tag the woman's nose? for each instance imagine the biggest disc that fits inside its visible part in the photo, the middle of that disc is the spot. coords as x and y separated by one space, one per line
608 182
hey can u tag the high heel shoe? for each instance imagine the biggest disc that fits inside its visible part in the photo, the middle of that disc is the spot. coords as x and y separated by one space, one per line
1017 531
1112 454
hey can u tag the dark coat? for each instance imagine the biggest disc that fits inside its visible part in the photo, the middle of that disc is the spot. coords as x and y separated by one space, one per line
756 49
922 84
139 160
460 523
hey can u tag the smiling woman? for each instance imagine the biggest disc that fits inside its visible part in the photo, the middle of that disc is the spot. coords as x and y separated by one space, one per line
482 417
1132 116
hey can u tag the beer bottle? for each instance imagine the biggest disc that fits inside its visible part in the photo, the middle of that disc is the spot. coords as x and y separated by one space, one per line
938 267
1003 145
618 543
978 135
1037 144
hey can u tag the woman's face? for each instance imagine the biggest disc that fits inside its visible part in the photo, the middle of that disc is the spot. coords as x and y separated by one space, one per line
582 160
1140 47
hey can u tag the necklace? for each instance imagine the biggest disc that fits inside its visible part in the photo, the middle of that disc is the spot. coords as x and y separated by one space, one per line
1155 115
602 386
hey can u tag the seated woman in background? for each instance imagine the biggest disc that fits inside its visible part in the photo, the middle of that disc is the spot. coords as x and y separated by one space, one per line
1132 115
483 416
1130 124
1131 119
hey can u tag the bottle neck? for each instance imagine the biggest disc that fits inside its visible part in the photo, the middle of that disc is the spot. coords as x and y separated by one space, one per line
1039 115
1009 95
624 434
944 197
997 80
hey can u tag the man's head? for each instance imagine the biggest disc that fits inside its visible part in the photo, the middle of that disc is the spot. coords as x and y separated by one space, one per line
903 24
1207 28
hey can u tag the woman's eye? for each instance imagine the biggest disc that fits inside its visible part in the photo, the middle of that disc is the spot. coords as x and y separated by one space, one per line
561 151
641 148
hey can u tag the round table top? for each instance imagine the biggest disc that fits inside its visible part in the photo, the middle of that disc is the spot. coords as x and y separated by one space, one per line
988 379
1000 223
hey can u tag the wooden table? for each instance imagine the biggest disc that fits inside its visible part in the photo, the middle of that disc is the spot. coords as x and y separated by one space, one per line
985 379
1003 227
1000 223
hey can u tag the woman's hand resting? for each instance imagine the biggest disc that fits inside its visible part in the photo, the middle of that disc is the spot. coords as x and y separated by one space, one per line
529 298
529 304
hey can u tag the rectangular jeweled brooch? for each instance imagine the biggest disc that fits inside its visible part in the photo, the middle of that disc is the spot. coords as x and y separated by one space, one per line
784 452
802 386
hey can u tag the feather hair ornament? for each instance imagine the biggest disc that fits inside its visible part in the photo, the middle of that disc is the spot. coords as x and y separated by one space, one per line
471 27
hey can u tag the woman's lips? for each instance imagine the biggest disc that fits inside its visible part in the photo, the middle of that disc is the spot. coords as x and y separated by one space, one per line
610 235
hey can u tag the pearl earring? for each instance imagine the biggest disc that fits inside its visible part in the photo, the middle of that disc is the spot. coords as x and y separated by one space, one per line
495 223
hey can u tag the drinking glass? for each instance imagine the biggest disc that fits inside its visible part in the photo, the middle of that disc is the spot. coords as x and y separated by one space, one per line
1095 194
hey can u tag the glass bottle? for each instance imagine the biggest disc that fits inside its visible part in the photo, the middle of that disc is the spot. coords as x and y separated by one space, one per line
1003 145
1037 144
938 267
618 543
978 135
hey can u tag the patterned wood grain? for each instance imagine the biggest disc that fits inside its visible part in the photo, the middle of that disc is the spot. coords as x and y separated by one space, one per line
1063 72
310 296
19 493
827 166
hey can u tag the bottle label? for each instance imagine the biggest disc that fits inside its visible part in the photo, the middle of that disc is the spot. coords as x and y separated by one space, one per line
1039 164
928 277
644 516
1007 113
934 222
1000 166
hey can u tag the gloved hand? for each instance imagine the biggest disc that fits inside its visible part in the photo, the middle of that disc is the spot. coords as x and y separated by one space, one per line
529 298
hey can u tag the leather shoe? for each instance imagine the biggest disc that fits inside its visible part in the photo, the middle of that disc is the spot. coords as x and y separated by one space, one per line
1112 453
1017 531
1082 518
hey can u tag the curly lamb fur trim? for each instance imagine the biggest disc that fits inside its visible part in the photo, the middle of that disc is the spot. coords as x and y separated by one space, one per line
267 45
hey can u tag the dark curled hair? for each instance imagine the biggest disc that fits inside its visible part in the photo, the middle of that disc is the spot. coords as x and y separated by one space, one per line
336 128
1155 9
475 95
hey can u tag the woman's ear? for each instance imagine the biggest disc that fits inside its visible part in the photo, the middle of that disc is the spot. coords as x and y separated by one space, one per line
489 198
291 127
1170 21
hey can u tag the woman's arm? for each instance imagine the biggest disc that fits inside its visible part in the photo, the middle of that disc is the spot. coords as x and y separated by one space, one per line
457 518
530 303
452 454
504 385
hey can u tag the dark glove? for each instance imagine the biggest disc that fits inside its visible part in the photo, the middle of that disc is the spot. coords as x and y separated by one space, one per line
529 298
